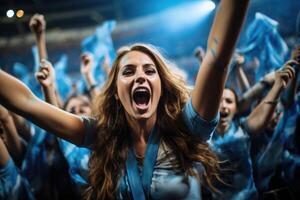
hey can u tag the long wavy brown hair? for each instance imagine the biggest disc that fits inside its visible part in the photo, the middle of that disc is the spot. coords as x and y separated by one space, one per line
110 148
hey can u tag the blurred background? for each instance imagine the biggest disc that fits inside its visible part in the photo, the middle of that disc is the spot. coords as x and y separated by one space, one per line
176 26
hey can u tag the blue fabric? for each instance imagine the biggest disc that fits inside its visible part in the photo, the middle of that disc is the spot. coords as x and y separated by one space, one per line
63 81
264 42
233 148
140 183
168 181
12 185
26 75
196 124
23 73
100 44
46 168
34 163
60 68
77 159
291 167
36 59
149 161
290 126
134 179
268 150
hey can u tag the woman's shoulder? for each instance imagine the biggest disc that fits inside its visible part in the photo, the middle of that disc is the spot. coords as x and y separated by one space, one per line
90 129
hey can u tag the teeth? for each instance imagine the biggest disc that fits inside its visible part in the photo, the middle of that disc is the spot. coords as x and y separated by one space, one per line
141 90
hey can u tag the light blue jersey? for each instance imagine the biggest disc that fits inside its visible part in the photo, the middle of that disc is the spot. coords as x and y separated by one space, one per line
46 168
168 181
233 149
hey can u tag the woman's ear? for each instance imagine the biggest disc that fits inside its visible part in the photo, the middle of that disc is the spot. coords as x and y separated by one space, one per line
116 96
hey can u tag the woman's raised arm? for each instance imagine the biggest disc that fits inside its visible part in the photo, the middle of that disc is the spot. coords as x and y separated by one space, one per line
16 96
221 43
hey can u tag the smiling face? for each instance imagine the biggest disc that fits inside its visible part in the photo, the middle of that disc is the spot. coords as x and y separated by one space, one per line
138 85
228 108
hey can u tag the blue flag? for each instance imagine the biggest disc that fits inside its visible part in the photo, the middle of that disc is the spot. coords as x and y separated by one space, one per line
36 60
23 73
264 42
100 44
63 81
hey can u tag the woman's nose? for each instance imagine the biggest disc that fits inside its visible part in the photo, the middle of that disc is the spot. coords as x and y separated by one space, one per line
140 77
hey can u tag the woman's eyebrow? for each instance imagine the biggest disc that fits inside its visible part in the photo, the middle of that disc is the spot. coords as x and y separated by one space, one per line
149 65
128 66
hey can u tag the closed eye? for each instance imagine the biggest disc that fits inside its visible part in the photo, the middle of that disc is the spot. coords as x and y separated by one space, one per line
149 69
128 70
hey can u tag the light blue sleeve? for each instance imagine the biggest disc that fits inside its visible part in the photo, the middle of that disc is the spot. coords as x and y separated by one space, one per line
196 124
12 185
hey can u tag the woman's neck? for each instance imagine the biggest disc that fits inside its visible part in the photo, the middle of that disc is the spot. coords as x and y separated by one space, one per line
140 128
222 129
140 131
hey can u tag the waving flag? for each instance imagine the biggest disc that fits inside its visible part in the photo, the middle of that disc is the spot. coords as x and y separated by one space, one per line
63 81
100 44
36 60
23 73
264 42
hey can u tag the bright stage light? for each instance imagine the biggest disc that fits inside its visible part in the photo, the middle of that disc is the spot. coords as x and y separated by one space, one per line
10 13
20 13
188 14
209 5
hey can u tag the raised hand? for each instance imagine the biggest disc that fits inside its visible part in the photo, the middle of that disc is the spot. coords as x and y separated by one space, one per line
46 74
86 64
286 74
296 53
240 59
86 69
37 24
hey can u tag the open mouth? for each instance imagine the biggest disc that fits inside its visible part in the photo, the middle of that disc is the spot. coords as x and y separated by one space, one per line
224 114
141 97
